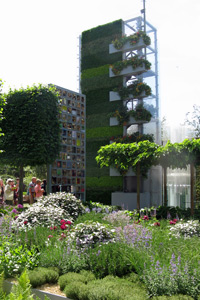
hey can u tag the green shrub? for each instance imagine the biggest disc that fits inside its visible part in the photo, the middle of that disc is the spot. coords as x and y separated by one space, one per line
111 259
62 258
76 291
40 276
175 297
83 276
109 288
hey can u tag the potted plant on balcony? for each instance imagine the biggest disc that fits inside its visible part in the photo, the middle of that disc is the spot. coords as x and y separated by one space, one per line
132 39
134 62
135 89
140 113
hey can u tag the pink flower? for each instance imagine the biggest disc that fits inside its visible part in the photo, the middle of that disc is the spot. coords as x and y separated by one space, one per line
172 222
63 227
25 222
50 236
51 228
69 222
20 206
175 220
55 228
62 222
156 224
145 218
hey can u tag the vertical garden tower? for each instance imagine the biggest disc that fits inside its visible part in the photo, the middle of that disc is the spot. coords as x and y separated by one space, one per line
118 66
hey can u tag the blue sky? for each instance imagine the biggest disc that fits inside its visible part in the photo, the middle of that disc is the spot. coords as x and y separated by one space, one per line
39 44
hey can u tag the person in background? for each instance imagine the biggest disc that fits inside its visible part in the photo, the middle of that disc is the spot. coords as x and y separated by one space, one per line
31 189
38 190
44 186
2 189
9 194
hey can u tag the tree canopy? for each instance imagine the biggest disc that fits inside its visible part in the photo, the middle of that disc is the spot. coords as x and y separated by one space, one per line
31 126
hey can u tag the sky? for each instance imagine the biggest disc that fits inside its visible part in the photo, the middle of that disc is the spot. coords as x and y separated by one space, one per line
40 44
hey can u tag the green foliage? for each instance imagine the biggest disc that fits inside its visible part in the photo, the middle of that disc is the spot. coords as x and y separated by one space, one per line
106 181
133 138
134 62
135 89
14 257
174 297
124 156
132 39
99 81
62 258
102 195
104 131
40 276
110 288
102 31
2 103
21 290
111 259
84 277
39 142
140 113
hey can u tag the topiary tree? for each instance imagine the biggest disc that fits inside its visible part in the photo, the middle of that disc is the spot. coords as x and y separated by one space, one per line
31 128
138 156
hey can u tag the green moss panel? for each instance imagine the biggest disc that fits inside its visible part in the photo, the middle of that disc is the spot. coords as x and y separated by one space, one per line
96 84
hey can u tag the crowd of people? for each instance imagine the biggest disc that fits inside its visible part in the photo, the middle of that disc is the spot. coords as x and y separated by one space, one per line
9 192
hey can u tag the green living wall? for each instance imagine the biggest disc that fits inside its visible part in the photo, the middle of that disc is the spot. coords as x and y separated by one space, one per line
96 84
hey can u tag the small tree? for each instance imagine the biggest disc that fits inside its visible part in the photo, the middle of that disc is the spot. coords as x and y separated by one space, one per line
138 156
31 128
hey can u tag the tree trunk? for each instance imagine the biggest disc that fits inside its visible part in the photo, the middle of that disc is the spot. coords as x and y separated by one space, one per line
21 175
138 186
165 185
192 188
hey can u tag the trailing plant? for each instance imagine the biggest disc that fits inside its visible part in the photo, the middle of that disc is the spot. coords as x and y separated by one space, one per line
132 138
132 39
140 113
133 90
134 62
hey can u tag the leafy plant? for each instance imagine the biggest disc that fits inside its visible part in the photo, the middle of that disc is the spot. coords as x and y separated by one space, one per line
135 62
140 113
133 90
132 39
84 277
90 233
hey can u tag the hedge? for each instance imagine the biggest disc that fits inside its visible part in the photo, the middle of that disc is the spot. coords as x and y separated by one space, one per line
102 31
104 131
105 181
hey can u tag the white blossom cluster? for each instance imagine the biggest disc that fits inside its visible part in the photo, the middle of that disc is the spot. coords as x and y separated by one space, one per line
186 229
89 233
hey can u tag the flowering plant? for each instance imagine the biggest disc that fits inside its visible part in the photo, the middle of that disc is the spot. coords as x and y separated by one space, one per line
132 138
132 39
90 233
140 113
40 215
118 218
186 229
135 89
135 62
66 201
